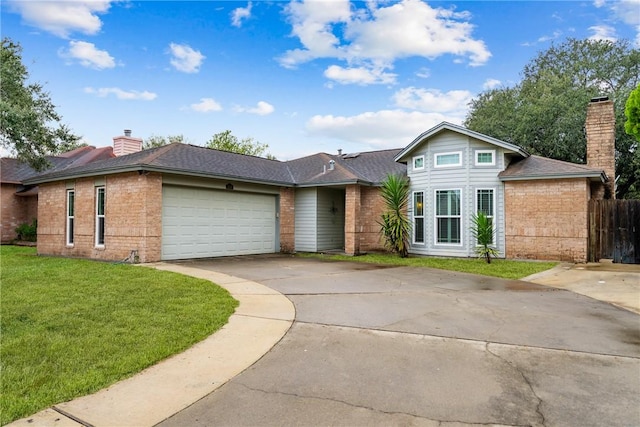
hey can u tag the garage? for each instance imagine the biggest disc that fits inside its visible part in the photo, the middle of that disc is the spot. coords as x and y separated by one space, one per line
203 223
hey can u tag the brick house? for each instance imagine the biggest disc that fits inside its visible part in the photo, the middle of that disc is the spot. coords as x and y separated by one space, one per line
19 202
182 201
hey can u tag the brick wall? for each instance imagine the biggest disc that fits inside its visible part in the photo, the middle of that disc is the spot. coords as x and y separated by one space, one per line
600 128
372 209
352 220
133 218
287 220
15 211
547 219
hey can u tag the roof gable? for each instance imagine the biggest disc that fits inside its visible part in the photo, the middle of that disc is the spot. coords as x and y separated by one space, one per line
445 126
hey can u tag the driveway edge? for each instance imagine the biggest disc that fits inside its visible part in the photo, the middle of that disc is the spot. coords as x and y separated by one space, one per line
263 317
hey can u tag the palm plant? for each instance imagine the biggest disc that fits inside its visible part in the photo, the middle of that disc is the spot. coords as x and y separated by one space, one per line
483 233
394 225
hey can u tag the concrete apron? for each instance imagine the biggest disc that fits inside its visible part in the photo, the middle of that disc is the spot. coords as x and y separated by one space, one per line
618 284
263 317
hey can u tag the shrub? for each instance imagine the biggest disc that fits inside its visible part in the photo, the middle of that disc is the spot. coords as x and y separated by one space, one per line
28 232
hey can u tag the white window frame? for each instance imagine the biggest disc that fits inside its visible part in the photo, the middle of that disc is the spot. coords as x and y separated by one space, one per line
415 215
415 159
449 153
493 157
493 205
436 217
100 216
70 215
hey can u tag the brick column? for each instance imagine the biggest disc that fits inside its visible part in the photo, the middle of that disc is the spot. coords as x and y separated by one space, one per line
287 220
352 220
600 127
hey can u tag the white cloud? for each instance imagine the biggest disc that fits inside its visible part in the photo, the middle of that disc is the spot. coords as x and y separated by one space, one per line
185 58
121 94
491 84
628 11
359 75
432 100
62 18
261 109
423 73
603 32
88 55
599 3
239 14
206 105
380 129
377 36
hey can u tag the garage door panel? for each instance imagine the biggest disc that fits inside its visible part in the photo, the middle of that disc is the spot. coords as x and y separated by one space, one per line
199 223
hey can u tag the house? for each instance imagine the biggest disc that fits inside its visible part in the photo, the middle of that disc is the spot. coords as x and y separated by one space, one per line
20 202
182 201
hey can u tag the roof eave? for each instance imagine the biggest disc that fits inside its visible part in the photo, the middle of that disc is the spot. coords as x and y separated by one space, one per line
149 168
593 177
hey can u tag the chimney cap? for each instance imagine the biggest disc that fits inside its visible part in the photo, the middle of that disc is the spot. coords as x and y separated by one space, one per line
600 98
127 132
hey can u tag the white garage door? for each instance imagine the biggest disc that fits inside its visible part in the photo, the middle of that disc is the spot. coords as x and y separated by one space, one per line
199 223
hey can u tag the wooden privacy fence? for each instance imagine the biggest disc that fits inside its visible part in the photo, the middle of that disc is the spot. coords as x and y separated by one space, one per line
614 231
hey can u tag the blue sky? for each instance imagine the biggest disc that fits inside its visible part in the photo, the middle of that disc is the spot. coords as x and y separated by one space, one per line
300 76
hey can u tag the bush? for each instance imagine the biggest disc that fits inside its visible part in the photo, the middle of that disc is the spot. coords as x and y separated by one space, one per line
28 232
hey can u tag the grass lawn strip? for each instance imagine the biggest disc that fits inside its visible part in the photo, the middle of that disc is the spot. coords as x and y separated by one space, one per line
506 269
72 327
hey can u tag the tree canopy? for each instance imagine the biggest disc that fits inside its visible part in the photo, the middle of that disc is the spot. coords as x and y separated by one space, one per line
30 127
226 141
632 111
545 113
155 141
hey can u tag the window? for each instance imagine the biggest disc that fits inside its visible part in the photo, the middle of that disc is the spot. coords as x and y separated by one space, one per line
100 197
448 217
418 162
448 159
485 203
71 196
485 157
418 217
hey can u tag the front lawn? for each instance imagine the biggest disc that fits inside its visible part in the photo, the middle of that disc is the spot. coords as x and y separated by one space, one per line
72 327
506 269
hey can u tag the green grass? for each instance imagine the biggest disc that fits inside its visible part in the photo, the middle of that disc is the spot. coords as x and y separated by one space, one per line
506 269
72 327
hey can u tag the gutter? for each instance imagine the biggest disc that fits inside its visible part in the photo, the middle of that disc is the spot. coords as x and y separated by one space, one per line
594 176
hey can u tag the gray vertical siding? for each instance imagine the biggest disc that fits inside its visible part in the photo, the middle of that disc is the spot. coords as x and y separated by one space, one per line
467 178
306 230
331 216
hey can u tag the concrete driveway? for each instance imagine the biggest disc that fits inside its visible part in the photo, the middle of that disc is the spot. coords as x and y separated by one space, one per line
409 346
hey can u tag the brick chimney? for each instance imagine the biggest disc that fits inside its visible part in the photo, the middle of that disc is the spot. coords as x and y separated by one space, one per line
600 128
126 144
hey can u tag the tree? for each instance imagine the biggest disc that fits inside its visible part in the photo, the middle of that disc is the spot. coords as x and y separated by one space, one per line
29 125
226 141
545 113
155 141
482 231
632 111
394 224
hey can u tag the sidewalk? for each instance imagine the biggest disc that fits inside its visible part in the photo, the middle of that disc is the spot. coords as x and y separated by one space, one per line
160 391
618 284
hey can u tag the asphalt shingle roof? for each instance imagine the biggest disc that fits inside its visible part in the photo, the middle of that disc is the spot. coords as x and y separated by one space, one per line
15 172
536 167
369 167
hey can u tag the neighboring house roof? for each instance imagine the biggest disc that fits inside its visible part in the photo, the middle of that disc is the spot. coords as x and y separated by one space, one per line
186 159
536 167
444 126
13 171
